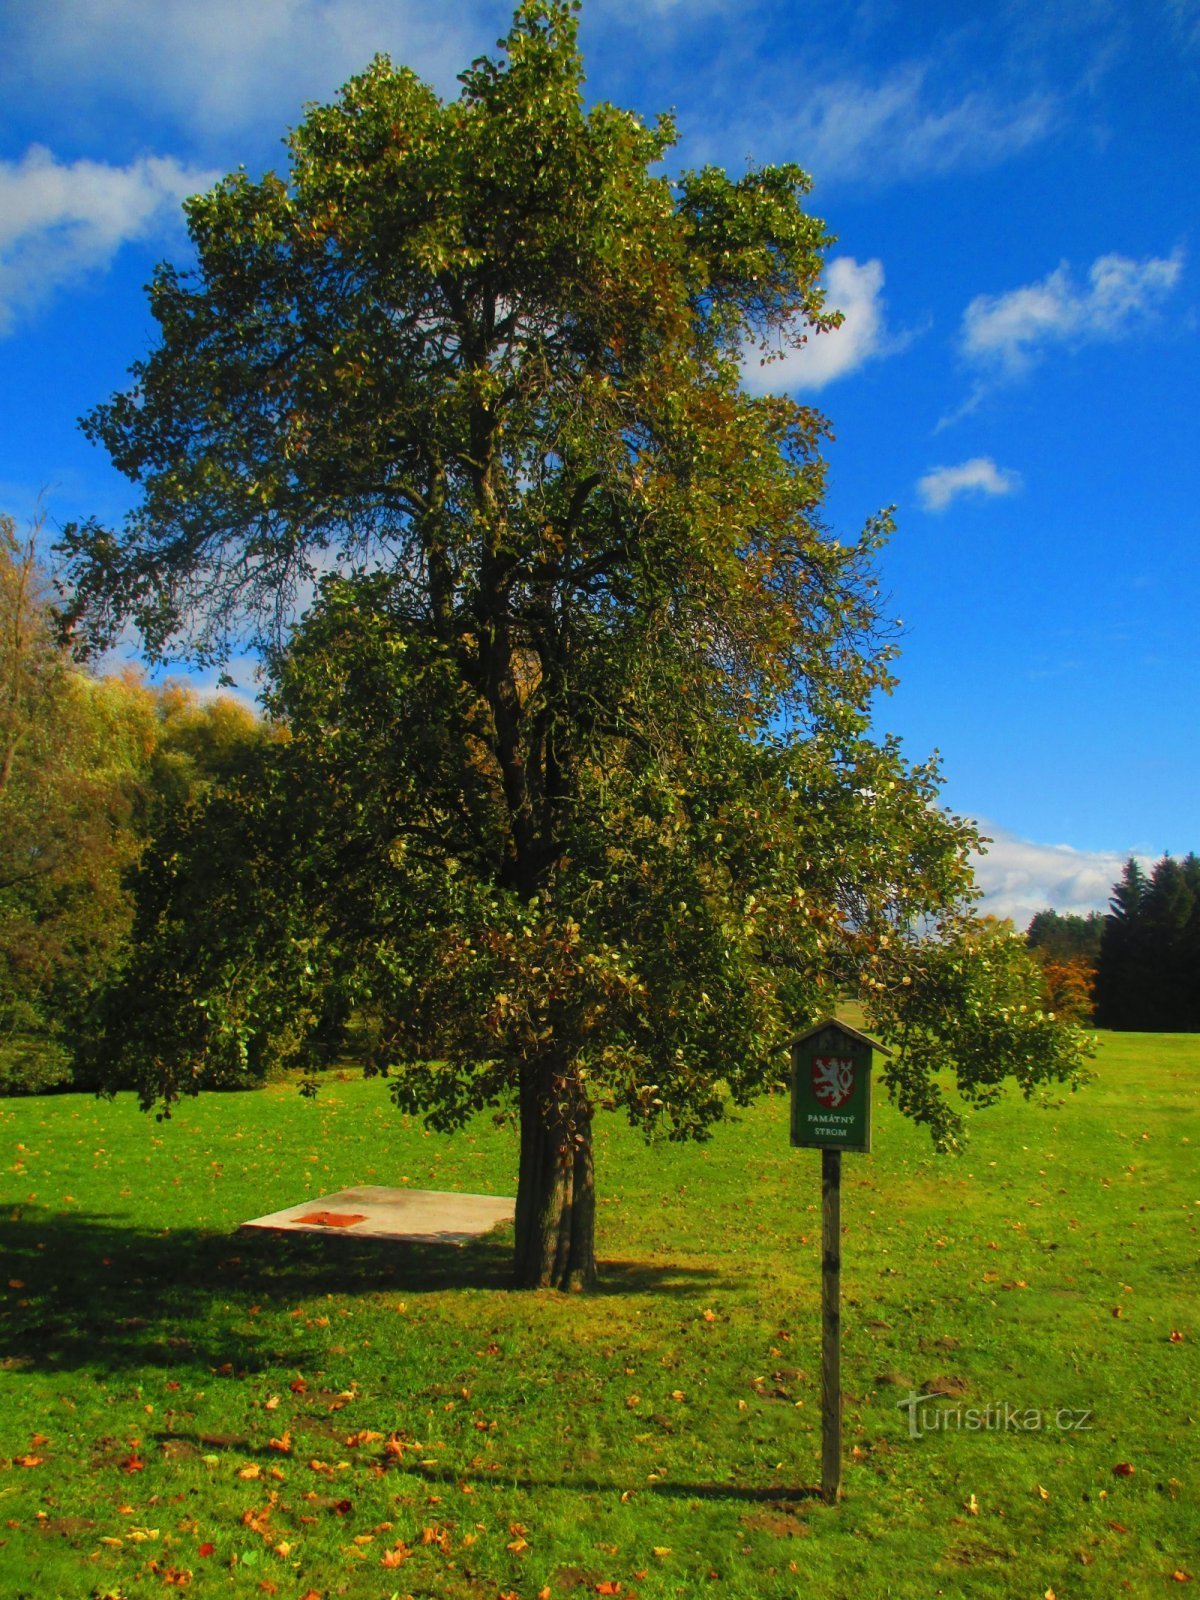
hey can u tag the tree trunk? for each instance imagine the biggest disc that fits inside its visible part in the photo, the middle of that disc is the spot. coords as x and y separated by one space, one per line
556 1197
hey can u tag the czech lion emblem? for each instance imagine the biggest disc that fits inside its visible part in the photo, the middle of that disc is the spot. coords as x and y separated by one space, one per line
833 1080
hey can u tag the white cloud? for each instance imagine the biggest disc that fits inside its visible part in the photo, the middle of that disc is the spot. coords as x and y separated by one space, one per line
1019 877
942 485
1007 333
897 128
638 11
857 292
223 66
60 221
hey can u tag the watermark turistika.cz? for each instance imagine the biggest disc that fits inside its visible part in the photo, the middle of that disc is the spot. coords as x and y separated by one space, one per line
934 1413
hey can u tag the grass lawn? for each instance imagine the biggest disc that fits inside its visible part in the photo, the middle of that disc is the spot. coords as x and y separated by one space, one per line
183 1407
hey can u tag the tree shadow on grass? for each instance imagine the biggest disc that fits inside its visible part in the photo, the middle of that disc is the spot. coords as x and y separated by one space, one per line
96 1292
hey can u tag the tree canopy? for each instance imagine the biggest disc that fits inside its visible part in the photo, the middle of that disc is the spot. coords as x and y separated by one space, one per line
580 802
88 766
1148 969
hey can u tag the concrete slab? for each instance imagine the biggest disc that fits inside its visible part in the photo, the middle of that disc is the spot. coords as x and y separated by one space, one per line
374 1211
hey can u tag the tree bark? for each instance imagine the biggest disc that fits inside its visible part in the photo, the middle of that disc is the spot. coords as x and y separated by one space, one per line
556 1197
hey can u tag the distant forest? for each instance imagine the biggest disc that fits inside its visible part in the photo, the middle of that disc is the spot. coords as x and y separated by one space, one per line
1139 966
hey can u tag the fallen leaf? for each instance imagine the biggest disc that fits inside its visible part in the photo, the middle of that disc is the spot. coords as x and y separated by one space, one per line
256 1521
38 1439
283 1444
709 1316
174 1577
1044 1494
1124 1469
271 1402
1118 1311
972 1505
252 1470
1176 1336
206 1549
395 1556
608 1587
1180 1576
1118 1527
28 1461
133 1463
298 1386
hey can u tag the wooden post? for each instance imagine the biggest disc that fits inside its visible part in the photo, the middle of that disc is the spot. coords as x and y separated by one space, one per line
831 1112
831 1326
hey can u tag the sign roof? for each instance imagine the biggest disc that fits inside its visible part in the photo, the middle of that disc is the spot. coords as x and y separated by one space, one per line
844 1027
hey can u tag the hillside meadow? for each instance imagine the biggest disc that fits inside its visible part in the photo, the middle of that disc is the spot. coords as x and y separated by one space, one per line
185 1407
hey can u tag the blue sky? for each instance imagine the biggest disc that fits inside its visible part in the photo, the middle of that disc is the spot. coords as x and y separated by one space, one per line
1016 190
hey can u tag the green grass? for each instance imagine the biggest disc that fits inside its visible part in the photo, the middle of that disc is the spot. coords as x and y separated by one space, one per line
662 1434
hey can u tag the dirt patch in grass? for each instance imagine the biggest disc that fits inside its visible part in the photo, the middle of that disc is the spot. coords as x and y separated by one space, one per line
779 1524
952 1387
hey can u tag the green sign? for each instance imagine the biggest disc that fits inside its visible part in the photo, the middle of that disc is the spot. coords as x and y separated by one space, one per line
831 1088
